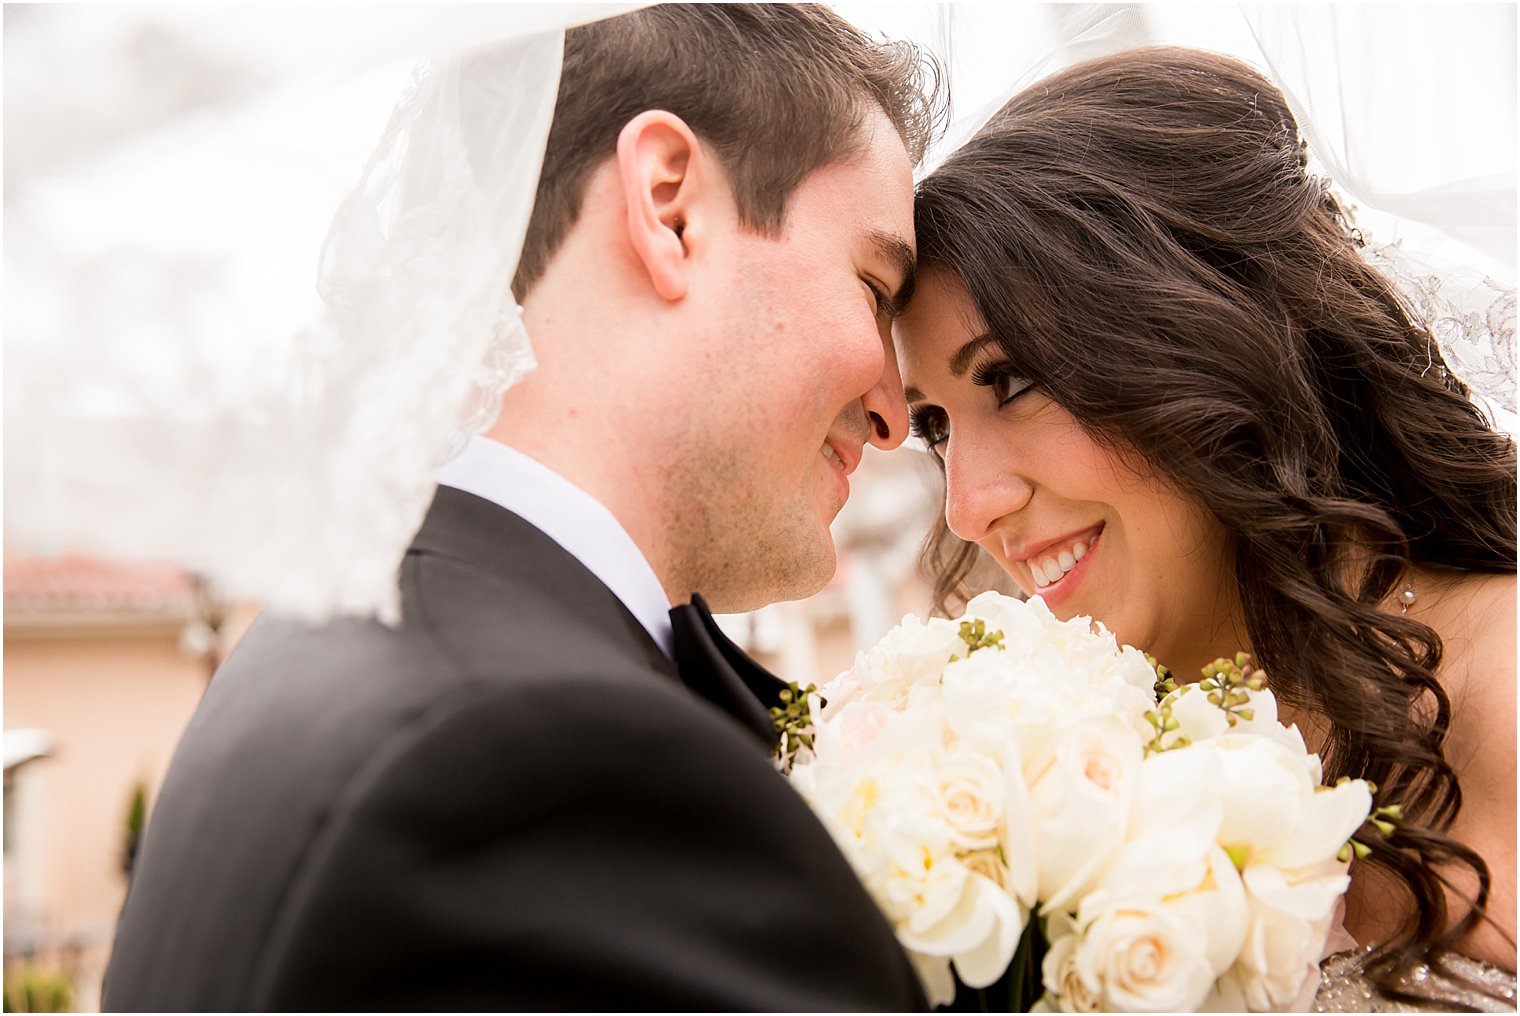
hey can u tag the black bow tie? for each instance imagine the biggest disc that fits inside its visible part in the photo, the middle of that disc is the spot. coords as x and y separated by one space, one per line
720 672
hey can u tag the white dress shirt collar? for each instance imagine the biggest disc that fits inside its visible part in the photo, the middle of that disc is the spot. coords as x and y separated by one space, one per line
571 518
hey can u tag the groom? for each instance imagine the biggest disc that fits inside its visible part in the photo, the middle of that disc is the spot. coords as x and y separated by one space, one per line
547 789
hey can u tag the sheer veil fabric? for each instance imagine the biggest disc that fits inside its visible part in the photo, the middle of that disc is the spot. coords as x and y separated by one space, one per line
298 484
153 411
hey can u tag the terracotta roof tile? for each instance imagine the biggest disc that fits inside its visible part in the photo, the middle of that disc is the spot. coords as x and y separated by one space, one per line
75 582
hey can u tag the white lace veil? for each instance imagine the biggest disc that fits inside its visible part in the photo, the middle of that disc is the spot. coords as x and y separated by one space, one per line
295 478
149 414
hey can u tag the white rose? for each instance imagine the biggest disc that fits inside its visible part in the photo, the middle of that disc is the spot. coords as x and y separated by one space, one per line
990 865
1069 986
1139 956
920 809
972 798
1205 891
995 698
1080 792
1095 656
1044 671
1295 890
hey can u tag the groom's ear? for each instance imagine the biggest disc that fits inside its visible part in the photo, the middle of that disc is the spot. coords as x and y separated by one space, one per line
661 167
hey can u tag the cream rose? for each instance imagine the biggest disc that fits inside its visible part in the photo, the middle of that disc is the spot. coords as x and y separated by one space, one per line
1068 987
972 796
1140 956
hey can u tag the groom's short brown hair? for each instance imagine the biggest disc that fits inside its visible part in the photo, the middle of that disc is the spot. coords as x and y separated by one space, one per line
777 90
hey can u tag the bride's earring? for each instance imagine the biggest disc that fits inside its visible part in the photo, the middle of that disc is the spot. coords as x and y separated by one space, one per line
1407 598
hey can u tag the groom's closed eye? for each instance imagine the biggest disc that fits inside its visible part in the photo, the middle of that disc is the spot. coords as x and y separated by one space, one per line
897 255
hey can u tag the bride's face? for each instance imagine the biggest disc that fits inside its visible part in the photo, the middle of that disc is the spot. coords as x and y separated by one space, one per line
1091 530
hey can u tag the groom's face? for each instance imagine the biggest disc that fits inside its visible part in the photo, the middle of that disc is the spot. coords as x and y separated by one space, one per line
802 376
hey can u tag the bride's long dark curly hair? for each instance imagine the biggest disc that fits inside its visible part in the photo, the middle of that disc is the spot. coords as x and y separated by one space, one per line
1141 233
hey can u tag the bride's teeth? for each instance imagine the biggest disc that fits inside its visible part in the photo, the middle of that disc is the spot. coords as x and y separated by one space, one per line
1047 571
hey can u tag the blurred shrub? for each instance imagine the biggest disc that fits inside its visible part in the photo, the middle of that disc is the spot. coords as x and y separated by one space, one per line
37 989
137 817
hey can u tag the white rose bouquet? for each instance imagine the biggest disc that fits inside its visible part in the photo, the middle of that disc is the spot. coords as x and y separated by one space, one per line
1016 798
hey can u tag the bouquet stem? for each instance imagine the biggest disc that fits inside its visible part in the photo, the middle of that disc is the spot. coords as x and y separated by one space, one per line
1019 988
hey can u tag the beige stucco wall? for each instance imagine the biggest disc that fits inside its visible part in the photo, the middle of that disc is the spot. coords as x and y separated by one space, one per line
115 698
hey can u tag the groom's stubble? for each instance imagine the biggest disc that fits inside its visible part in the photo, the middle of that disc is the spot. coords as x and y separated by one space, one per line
740 539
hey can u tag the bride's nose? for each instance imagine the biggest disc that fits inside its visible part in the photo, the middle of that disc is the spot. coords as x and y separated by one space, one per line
982 487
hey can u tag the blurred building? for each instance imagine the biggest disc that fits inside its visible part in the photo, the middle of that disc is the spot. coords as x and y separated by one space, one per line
104 664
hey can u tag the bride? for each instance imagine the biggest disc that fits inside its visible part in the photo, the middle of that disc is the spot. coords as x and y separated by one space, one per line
1168 392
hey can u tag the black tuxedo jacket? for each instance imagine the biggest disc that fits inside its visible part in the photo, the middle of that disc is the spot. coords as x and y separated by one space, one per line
512 801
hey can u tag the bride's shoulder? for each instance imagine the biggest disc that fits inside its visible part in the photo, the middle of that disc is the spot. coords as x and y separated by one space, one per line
1476 621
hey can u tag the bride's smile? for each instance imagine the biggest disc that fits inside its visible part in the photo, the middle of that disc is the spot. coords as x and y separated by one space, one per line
1055 566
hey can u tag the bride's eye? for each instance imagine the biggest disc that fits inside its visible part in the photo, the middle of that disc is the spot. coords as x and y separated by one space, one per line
930 427
1005 384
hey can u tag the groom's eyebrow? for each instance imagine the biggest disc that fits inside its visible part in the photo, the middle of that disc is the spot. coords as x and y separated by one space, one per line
897 252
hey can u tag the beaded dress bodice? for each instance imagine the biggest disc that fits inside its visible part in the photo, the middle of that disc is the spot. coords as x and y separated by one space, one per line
1344 987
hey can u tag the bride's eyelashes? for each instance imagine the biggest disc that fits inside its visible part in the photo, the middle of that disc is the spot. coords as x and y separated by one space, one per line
928 425
1006 385
931 425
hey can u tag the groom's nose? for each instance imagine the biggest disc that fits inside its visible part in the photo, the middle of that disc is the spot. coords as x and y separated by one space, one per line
885 405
